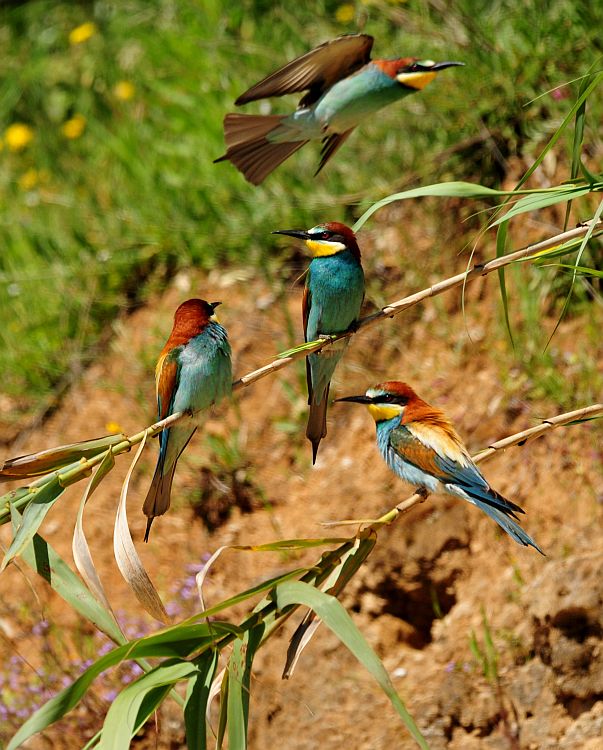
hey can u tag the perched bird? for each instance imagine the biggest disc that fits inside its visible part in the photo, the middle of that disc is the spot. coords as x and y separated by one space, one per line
193 371
331 304
343 85
421 446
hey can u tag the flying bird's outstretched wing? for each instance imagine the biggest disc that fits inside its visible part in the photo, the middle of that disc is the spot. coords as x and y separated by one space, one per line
315 71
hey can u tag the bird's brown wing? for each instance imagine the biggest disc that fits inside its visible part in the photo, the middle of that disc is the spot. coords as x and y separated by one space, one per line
166 381
316 71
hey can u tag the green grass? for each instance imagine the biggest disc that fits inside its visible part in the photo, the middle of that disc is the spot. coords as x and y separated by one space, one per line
89 226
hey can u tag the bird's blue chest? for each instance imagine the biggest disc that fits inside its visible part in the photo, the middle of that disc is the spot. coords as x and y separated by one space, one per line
336 286
205 370
355 97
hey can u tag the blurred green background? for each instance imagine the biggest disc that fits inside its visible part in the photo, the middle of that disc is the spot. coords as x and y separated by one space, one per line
111 114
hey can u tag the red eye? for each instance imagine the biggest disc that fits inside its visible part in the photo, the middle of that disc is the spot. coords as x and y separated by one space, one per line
325 235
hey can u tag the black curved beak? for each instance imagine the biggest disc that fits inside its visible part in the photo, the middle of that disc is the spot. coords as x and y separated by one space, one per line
442 66
357 399
213 305
298 233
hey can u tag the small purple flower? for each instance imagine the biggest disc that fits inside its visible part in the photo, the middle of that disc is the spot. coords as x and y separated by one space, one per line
450 667
41 628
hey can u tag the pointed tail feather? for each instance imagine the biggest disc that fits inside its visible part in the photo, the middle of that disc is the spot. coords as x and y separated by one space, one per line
513 529
248 148
157 501
317 422
330 145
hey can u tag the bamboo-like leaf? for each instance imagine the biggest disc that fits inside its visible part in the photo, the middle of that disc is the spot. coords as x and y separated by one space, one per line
440 189
36 464
577 141
334 616
560 130
179 642
125 717
537 202
43 559
239 678
501 242
128 561
223 716
282 545
581 249
247 594
81 551
32 518
582 270
197 698
334 585
304 347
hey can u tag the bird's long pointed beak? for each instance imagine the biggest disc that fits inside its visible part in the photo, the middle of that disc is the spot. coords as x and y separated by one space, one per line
300 234
213 305
356 399
443 65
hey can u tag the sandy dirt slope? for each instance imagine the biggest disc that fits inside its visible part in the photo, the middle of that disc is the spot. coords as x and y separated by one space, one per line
432 575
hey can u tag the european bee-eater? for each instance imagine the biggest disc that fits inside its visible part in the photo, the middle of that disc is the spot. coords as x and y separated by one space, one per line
193 371
331 304
343 85
421 446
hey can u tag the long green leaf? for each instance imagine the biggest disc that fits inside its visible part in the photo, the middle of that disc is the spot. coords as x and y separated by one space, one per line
559 132
501 242
42 558
582 270
334 616
239 679
32 518
36 464
440 189
581 249
124 717
197 694
173 642
537 202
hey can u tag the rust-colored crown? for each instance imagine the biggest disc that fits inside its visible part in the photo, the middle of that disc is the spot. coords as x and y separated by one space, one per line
189 321
347 235
391 68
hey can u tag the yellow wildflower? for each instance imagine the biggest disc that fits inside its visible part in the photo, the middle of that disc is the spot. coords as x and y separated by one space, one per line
82 33
74 127
18 136
345 13
29 179
113 428
124 90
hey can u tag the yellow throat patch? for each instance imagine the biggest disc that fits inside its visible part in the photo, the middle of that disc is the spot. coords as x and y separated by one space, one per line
383 412
417 80
320 249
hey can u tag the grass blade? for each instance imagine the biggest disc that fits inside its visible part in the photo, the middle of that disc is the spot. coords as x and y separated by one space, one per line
32 518
127 558
127 712
550 198
334 616
37 464
239 678
440 189
581 249
501 242
196 701
80 549
43 559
